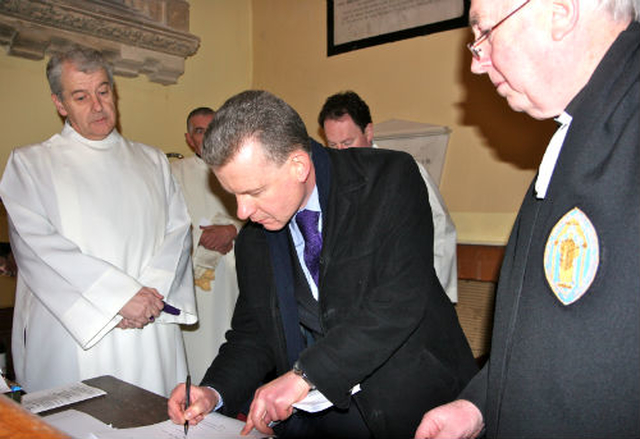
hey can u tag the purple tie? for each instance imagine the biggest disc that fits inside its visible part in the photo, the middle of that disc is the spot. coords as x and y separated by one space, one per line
307 221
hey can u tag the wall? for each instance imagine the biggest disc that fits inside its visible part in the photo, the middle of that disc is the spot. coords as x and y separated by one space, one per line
493 152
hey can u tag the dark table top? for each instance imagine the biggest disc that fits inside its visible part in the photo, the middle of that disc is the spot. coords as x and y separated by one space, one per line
124 405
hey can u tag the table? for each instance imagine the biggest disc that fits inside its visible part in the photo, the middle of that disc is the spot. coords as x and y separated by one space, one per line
124 405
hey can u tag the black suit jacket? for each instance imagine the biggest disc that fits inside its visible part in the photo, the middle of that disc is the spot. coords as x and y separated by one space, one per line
387 322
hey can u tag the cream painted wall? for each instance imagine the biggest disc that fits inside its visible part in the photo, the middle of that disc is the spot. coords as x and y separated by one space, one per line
493 152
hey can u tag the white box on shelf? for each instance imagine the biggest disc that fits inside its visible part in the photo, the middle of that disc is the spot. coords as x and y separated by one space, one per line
427 143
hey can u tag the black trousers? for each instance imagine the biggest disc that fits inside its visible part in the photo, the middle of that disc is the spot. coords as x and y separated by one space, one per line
329 423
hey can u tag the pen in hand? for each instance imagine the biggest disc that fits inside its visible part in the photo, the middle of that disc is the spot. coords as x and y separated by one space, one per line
187 402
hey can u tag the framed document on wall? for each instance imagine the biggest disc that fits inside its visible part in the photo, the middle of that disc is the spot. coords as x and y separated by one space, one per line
355 24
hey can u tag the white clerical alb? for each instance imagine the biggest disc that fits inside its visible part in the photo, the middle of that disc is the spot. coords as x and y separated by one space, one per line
92 222
215 274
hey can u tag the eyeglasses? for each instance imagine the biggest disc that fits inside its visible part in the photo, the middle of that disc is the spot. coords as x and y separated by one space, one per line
475 48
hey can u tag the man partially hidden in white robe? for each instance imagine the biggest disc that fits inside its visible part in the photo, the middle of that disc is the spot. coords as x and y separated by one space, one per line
215 274
91 223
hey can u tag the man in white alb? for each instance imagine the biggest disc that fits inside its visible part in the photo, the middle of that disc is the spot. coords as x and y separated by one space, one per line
214 231
100 234
346 121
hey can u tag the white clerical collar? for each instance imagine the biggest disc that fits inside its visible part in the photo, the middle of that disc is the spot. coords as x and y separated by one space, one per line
107 142
551 155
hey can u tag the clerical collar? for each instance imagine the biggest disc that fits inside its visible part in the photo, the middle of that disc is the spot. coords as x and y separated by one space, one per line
107 142
550 157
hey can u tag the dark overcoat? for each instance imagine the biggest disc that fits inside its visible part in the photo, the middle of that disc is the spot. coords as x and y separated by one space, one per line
387 323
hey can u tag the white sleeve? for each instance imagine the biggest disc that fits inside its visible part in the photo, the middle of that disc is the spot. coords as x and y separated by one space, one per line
170 270
83 292
444 239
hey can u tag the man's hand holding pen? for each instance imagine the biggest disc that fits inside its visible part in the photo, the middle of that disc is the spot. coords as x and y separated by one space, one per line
141 309
272 403
187 389
202 401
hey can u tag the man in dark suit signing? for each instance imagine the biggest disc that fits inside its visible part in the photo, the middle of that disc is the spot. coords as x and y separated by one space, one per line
361 321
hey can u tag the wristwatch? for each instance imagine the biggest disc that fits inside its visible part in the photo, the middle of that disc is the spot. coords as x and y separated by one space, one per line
298 371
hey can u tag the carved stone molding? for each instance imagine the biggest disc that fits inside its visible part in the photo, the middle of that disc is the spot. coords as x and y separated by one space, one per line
138 36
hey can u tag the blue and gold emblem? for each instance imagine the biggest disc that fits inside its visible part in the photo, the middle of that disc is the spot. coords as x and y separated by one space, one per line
571 256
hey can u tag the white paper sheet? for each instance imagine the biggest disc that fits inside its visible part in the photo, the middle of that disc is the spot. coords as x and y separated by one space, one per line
4 387
77 424
80 425
43 400
214 426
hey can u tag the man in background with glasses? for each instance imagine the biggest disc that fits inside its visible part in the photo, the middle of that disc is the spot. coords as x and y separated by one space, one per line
565 354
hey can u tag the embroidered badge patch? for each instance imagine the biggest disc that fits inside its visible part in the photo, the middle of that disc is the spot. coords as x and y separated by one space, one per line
571 256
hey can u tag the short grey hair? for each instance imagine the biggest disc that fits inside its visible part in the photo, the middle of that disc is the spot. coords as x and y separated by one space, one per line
259 115
621 9
84 59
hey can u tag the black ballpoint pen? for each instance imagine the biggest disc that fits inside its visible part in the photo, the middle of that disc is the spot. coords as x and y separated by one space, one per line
187 402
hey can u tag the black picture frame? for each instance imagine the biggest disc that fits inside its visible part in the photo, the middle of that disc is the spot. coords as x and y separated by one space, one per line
335 49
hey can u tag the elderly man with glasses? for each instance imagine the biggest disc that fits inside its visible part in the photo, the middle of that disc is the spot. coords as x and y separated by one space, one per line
565 353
